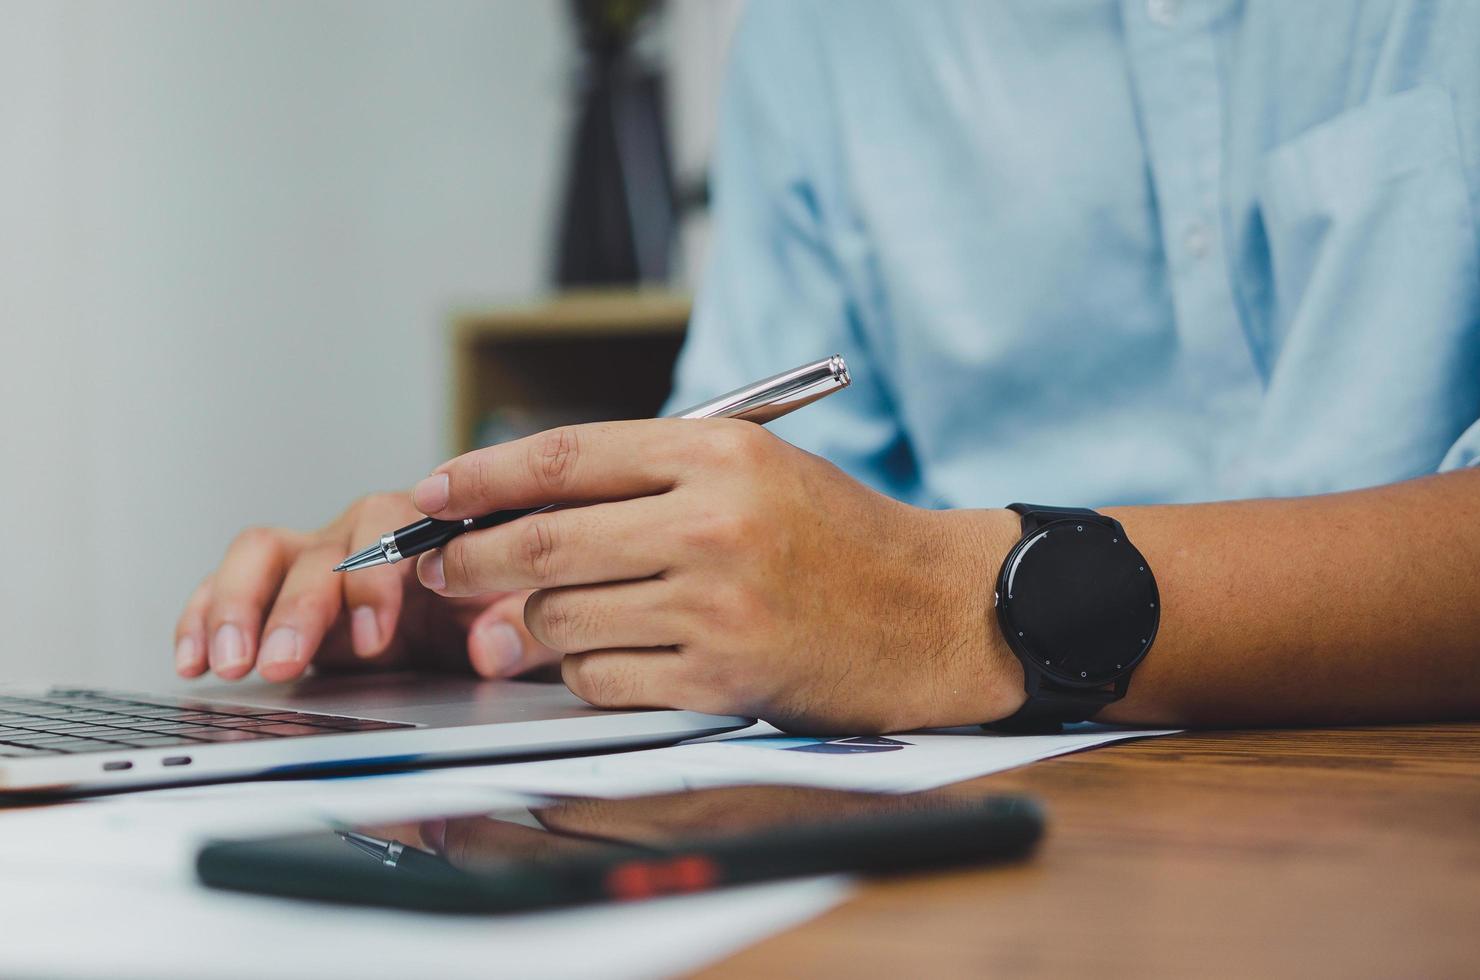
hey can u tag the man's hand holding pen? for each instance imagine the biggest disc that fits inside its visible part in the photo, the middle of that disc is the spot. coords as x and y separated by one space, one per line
710 565
700 564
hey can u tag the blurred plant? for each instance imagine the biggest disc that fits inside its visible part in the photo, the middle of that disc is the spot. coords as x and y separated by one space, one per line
611 25
618 219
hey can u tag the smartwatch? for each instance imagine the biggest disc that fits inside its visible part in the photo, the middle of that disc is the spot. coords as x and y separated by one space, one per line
1078 606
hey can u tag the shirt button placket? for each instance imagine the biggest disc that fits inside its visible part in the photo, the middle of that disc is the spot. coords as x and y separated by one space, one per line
1180 100
1197 240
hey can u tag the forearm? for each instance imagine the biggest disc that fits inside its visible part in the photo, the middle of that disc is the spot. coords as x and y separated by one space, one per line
1344 608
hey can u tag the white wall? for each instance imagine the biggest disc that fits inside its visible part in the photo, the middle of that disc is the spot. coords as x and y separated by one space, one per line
223 227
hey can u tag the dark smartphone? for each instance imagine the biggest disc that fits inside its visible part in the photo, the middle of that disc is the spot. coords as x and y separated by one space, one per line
572 850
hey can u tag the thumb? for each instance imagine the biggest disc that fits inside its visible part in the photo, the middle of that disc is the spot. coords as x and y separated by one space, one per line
499 644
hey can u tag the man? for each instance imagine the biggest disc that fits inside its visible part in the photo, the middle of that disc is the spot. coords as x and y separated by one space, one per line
1126 256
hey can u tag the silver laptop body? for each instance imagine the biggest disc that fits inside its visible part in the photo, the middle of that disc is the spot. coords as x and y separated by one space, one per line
71 740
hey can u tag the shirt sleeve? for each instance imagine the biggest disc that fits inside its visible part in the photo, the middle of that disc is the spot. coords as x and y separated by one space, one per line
1465 452
777 292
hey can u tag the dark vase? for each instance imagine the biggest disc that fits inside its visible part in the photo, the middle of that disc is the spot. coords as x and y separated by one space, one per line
618 219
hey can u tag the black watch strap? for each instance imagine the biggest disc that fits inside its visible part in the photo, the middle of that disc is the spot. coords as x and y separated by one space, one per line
1034 515
1046 712
1048 707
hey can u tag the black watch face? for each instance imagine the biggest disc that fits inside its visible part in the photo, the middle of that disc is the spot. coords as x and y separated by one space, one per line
1078 599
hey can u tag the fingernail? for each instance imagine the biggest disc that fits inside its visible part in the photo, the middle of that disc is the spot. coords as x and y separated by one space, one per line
430 571
497 650
364 631
434 835
281 647
186 653
430 495
228 649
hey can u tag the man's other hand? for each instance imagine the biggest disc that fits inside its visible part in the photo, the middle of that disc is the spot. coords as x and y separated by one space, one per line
276 603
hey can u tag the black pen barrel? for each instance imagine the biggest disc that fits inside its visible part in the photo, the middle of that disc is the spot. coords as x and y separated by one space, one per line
429 532
426 534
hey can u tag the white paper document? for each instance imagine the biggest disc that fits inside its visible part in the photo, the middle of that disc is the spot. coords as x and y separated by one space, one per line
106 887
78 924
885 764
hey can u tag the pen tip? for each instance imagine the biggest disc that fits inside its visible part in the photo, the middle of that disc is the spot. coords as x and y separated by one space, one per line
369 558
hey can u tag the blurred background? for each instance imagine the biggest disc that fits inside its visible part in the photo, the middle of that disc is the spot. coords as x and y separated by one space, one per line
260 258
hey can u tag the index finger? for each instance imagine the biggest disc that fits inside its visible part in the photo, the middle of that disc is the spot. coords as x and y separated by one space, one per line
571 464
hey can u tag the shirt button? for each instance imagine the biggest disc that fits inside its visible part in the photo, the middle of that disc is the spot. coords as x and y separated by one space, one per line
1197 240
1163 13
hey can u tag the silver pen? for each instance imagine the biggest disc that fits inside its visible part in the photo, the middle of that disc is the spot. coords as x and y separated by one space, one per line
760 402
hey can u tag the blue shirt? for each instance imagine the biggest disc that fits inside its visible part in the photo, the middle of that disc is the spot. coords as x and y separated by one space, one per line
1100 253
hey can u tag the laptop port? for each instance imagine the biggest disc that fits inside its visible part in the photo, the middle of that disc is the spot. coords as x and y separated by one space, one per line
116 766
177 760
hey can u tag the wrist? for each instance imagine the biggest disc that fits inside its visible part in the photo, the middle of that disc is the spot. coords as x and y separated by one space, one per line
984 681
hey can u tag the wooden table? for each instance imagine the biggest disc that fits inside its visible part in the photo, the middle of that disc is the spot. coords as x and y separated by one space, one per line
1348 852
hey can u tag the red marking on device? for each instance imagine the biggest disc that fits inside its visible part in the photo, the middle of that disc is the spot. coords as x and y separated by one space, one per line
692 873
630 881
645 879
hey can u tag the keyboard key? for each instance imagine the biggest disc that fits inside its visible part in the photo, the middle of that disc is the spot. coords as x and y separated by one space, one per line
285 728
79 745
158 725
152 712
50 713
241 711
56 740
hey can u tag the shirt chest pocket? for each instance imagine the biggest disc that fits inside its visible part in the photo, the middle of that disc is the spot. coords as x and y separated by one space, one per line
1374 281
1362 189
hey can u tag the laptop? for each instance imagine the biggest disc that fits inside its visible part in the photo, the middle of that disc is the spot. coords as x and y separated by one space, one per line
67 741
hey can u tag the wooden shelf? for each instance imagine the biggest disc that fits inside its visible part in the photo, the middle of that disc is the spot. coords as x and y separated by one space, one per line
580 356
597 312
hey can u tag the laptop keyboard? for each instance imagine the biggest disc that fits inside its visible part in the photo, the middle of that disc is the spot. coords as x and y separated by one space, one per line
65 722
